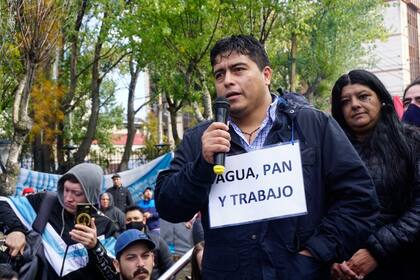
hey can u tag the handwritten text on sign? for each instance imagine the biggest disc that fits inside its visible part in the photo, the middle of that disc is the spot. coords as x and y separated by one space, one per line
258 185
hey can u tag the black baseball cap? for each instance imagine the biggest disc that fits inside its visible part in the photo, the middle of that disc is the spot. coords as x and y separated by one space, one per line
115 176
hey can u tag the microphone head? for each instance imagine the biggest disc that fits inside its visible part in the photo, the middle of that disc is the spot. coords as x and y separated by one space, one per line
221 102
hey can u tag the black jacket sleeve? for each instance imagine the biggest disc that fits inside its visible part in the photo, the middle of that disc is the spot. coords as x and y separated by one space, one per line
400 235
9 219
185 186
100 260
129 198
352 205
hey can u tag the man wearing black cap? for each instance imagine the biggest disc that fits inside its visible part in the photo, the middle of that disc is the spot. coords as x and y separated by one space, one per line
134 253
121 195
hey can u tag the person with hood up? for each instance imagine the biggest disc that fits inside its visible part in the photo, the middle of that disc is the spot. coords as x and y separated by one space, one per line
108 209
72 251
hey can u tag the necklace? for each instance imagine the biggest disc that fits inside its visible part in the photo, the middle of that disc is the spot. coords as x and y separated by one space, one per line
250 133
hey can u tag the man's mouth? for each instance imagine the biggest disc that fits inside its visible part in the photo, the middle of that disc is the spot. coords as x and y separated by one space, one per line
140 271
70 206
232 94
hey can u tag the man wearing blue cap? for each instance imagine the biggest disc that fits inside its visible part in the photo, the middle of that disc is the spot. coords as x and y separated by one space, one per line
134 255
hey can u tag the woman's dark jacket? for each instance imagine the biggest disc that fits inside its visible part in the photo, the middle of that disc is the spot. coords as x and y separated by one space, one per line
340 197
395 245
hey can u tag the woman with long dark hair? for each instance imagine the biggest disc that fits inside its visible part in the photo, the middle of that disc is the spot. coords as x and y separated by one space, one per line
391 151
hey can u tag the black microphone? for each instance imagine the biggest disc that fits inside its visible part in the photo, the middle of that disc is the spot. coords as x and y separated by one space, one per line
221 108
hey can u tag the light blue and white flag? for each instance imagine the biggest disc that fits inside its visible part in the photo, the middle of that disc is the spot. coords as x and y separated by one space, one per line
136 180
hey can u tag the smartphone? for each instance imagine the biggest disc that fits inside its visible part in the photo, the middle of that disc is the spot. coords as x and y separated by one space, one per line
84 214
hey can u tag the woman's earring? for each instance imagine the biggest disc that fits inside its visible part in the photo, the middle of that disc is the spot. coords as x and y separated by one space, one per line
383 104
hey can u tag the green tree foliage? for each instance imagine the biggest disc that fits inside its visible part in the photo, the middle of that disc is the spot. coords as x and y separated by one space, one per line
110 118
335 38
310 43
175 40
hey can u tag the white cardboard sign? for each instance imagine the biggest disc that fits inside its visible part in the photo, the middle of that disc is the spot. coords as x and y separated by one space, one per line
258 185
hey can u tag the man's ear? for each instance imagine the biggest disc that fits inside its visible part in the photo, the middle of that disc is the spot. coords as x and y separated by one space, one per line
116 265
267 72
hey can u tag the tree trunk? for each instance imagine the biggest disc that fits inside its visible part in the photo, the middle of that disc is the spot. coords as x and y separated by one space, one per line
197 112
60 147
22 124
206 99
131 128
293 55
84 147
160 120
175 134
68 98
309 94
172 108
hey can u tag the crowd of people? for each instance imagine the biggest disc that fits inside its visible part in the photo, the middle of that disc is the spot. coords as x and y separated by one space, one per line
360 174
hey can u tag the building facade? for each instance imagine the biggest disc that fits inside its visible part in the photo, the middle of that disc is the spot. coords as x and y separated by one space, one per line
397 59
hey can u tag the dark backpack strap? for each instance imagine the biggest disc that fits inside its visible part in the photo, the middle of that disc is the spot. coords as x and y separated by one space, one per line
44 212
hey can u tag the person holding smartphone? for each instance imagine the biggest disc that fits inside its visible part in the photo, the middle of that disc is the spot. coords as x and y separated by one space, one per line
75 249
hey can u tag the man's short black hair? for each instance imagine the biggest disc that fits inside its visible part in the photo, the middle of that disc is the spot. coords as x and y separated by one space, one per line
115 176
241 44
132 208
71 178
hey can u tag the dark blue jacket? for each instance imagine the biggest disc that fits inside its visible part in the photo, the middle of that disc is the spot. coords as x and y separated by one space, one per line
149 206
341 202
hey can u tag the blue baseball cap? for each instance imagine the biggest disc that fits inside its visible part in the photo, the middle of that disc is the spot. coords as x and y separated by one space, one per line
129 237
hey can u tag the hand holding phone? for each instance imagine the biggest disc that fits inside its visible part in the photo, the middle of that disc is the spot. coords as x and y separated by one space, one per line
84 231
84 214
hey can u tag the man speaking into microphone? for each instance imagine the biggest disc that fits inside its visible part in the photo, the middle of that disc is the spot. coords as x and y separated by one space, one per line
311 199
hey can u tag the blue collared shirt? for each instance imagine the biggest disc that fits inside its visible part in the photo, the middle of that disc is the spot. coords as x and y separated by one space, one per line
262 132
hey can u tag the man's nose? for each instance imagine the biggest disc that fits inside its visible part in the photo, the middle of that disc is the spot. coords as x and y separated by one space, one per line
69 197
140 262
228 78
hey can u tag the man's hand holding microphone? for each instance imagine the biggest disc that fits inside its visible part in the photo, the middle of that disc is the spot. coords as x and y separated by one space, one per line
216 139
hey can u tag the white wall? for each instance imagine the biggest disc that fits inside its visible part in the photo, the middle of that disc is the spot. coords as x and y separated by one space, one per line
391 57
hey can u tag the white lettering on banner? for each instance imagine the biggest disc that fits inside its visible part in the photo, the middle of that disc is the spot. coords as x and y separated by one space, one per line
259 185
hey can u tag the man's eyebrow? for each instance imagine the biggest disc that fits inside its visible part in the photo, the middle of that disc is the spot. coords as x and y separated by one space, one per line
237 64
218 70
